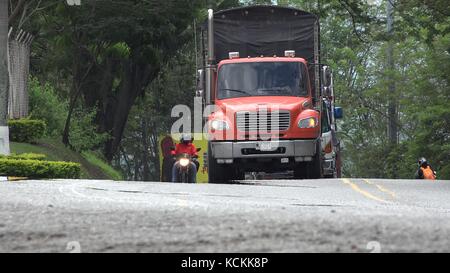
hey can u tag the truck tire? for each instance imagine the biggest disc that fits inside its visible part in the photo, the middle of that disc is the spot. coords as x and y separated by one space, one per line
315 170
216 173
300 171
331 176
238 175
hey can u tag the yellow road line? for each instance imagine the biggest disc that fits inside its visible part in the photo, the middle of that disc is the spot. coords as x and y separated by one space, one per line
363 192
15 179
381 188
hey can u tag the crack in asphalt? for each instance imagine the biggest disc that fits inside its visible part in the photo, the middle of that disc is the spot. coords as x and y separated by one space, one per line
266 185
319 205
190 194
97 189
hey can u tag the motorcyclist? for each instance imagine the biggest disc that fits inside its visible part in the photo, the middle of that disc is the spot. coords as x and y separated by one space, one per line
185 147
425 171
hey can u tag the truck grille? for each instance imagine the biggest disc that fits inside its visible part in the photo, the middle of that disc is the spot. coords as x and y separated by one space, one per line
262 121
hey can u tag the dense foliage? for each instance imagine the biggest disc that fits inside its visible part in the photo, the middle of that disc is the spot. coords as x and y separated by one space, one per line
39 169
27 156
47 106
26 130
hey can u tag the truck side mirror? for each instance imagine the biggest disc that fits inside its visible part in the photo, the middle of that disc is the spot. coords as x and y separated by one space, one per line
326 76
338 113
327 92
200 83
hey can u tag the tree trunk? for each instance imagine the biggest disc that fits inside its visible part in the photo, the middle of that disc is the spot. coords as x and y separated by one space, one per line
136 167
155 153
129 170
392 104
135 78
78 79
75 93
17 11
145 151
72 103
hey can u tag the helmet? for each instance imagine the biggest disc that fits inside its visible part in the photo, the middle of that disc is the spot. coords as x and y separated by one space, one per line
186 138
423 161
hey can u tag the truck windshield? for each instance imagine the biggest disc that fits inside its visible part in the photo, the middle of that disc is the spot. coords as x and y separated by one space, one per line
262 79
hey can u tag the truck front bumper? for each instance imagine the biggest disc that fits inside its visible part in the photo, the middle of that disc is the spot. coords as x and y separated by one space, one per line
301 150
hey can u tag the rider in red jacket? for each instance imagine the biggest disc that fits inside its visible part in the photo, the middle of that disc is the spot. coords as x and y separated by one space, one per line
185 147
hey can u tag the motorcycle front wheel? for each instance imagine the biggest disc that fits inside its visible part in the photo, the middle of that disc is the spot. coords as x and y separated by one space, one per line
183 175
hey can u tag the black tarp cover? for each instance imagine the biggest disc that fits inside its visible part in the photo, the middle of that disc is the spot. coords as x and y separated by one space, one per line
264 30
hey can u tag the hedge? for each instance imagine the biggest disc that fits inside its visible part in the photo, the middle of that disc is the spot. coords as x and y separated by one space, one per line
28 156
26 130
37 169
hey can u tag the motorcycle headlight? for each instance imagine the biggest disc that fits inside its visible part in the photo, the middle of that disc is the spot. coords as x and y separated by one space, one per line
220 125
308 123
184 162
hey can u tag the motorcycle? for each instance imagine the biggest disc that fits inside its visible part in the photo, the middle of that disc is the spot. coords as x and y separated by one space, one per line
184 163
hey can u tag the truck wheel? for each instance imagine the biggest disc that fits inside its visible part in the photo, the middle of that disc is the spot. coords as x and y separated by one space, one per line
300 171
216 173
315 170
213 170
238 175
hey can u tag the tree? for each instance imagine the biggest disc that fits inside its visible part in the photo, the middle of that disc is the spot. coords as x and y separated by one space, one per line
392 103
150 117
111 69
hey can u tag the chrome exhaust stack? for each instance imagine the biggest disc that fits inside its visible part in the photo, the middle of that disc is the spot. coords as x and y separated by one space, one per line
210 66
211 54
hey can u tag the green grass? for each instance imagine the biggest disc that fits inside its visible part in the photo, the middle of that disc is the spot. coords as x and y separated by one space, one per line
106 168
92 167
24 148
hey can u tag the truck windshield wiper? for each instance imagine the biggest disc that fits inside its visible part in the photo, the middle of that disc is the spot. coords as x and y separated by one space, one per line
275 89
237 91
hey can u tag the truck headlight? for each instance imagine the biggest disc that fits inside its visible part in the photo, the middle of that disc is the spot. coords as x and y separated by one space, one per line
308 123
220 125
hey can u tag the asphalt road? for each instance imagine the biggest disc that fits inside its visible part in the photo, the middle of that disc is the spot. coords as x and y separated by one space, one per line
339 215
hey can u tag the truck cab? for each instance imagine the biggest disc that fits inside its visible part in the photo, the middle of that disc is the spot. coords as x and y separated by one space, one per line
264 118
263 81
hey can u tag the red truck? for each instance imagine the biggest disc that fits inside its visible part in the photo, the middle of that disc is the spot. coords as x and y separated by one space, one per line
270 95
